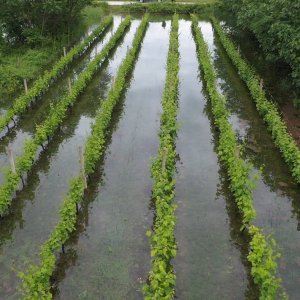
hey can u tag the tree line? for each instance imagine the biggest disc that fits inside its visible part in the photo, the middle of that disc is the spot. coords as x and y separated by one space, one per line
34 21
276 25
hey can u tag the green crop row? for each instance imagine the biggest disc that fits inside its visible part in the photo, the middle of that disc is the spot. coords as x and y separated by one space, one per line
56 115
238 170
43 83
36 282
262 255
268 110
163 247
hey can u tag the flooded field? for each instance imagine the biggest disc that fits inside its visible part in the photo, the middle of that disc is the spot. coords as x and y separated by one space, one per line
108 255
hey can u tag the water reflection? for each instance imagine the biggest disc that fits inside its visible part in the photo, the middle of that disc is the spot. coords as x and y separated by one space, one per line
276 198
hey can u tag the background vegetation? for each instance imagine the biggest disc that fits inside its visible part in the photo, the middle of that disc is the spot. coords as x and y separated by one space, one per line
33 34
276 26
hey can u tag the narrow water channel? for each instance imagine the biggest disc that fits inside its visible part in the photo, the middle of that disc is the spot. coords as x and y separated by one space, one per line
209 263
276 197
26 126
111 257
35 209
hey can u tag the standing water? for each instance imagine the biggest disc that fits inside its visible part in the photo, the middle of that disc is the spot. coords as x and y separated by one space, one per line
208 264
112 256
276 198
23 232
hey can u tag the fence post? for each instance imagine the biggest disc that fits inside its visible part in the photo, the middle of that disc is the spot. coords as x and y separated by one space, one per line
11 159
69 84
81 161
25 86
65 52
261 84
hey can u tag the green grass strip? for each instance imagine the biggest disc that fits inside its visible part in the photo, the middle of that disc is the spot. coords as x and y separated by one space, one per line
268 110
36 281
262 255
43 83
57 114
163 247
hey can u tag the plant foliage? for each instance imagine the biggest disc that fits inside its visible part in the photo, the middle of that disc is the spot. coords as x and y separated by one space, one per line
36 281
163 247
268 110
276 25
57 114
262 255
42 84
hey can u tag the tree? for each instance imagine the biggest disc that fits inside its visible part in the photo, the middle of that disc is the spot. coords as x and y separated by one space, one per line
276 25
32 20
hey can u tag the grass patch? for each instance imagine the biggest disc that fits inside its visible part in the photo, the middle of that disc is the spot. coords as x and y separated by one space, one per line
17 63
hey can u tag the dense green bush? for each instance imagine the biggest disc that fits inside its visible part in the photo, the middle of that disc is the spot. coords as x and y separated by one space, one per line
32 21
276 25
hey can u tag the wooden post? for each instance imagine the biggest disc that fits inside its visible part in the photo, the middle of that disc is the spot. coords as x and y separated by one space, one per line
65 52
81 161
25 86
238 49
164 158
11 159
69 84
261 84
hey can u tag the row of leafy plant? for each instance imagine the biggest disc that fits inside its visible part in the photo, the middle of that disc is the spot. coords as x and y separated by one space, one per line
262 255
46 130
163 247
43 83
36 282
268 110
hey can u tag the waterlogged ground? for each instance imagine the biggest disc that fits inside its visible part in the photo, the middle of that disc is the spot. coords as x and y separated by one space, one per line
36 207
113 254
209 258
27 124
276 198
108 256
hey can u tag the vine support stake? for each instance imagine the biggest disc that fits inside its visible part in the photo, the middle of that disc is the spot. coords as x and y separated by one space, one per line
11 159
69 84
81 161
25 86
65 52
261 84
164 158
